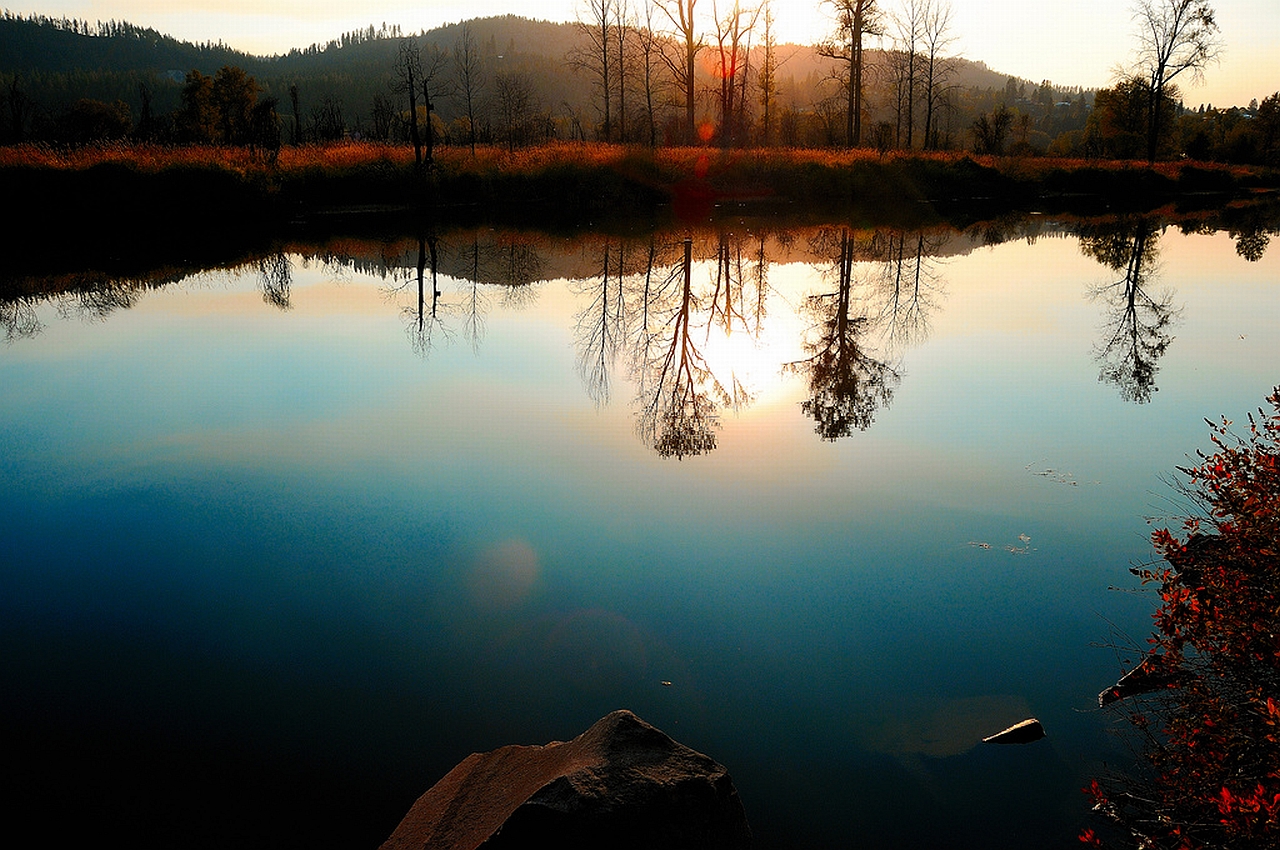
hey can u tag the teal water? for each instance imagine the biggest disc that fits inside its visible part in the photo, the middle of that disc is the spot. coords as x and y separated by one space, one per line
280 549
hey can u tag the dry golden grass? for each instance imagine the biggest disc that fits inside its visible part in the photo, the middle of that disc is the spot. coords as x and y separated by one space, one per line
339 156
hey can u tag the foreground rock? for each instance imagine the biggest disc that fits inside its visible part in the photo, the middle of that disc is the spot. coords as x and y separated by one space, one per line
620 784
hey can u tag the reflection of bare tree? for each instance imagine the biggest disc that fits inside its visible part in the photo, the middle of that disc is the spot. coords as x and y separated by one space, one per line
730 311
601 326
425 322
100 300
516 265
908 286
847 384
678 394
18 318
1136 332
475 304
276 277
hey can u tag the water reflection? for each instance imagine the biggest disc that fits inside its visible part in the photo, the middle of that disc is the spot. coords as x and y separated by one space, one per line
678 395
677 315
1136 331
19 319
425 323
847 382
276 274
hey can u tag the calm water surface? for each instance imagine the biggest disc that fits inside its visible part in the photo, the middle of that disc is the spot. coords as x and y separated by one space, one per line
284 543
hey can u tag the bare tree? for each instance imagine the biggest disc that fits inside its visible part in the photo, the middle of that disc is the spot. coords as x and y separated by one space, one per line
595 24
936 37
408 78
767 78
910 29
855 19
650 57
682 61
622 33
733 49
514 105
1174 36
468 78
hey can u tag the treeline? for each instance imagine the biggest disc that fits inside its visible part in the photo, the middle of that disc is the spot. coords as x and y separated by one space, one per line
624 73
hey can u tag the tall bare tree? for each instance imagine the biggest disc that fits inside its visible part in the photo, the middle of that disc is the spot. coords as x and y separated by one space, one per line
682 62
407 79
855 19
596 22
936 38
623 36
649 55
468 78
732 58
909 24
767 77
1174 36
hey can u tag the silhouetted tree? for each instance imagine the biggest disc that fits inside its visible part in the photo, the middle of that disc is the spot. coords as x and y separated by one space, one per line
682 57
234 94
1118 126
1174 37
991 130
327 123
469 79
89 120
732 70
198 116
407 79
936 38
596 22
855 19
513 105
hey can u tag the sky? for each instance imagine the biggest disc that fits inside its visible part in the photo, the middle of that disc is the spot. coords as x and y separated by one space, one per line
1082 42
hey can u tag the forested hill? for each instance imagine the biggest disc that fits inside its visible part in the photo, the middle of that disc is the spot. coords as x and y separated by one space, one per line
62 46
48 45
50 67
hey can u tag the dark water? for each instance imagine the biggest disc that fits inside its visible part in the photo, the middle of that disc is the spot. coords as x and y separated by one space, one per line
284 543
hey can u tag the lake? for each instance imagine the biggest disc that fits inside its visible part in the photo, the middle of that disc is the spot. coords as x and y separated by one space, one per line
286 539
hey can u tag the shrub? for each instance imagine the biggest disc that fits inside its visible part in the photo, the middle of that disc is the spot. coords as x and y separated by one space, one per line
1211 730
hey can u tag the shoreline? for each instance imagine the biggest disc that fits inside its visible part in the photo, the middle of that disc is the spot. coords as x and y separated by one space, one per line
581 181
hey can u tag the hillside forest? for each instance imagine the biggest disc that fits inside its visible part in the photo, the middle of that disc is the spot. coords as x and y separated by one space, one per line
622 73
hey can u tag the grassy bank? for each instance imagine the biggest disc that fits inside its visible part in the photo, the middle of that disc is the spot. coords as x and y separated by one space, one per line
202 185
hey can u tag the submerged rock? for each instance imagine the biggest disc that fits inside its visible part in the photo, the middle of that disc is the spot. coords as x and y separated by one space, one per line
1019 733
620 784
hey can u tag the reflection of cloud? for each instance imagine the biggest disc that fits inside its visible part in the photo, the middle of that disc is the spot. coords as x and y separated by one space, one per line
503 575
597 650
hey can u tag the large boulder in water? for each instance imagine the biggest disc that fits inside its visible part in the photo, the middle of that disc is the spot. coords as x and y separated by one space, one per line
621 784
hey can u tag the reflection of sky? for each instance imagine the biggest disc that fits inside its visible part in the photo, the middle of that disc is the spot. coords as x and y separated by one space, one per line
297 496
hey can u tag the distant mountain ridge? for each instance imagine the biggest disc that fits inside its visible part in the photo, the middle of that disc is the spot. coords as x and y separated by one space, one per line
53 45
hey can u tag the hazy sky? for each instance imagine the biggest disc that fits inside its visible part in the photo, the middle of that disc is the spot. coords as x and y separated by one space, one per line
1079 42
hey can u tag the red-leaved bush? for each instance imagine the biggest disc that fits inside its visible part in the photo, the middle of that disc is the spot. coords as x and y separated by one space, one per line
1210 730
